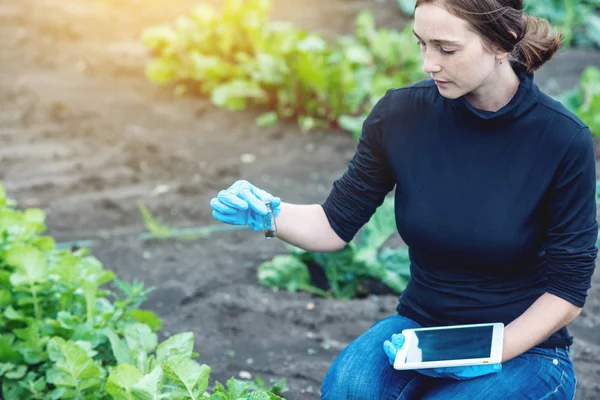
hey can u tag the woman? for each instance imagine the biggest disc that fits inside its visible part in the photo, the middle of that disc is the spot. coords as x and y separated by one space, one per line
495 197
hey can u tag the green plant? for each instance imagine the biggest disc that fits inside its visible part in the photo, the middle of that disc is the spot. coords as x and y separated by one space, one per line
576 19
65 336
347 269
238 58
584 100
394 58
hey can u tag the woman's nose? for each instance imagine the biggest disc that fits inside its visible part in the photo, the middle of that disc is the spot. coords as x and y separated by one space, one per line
431 64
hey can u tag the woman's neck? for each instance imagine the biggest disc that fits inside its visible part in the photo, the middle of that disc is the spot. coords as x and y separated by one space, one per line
497 91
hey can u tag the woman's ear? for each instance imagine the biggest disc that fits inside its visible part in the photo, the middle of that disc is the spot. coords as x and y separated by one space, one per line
500 55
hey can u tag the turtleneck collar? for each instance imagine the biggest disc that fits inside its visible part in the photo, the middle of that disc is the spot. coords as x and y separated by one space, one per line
522 101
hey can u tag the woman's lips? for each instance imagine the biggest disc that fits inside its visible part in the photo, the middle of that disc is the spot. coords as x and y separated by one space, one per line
440 83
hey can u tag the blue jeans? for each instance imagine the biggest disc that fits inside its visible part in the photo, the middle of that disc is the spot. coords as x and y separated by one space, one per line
362 371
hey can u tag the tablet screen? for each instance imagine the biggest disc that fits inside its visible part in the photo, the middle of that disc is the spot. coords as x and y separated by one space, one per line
450 344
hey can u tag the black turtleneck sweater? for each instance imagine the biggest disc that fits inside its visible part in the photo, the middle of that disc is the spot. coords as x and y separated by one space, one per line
497 208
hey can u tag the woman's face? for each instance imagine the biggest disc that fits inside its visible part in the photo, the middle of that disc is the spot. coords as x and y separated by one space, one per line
453 54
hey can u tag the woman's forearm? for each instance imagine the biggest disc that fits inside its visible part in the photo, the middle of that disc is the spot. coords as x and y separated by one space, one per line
307 227
548 314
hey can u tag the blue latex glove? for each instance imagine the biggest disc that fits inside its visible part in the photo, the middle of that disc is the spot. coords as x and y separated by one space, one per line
392 346
243 204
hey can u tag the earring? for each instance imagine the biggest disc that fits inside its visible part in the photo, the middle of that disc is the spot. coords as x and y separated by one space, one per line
500 59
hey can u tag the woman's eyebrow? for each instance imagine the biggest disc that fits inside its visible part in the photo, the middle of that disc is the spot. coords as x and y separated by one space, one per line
439 41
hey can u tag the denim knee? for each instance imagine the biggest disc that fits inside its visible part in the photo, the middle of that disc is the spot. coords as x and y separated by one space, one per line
362 370
345 383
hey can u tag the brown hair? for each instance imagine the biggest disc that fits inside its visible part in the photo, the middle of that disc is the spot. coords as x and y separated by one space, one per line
494 20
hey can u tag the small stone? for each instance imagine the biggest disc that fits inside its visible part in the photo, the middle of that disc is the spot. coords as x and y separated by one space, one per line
249 361
310 306
247 158
160 189
245 375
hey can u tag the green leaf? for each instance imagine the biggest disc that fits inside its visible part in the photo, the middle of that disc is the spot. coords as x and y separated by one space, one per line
33 344
72 366
35 218
2 196
45 244
121 352
121 380
178 344
12 390
188 374
162 70
205 67
269 69
266 119
7 352
592 27
352 124
156 228
358 55
262 395
5 297
141 341
158 37
17 373
30 264
585 100
365 27
67 320
11 314
89 334
396 266
140 336
234 95
284 271
90 290
237 388
149 386
381 225
312 44
147 317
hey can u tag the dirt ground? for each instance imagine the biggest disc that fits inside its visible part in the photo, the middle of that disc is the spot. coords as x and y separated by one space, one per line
84 136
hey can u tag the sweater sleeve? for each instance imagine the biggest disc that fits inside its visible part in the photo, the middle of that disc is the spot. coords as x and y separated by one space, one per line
362 188
573 230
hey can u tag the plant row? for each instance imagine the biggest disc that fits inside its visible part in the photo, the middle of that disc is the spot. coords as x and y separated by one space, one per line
239 58
67 335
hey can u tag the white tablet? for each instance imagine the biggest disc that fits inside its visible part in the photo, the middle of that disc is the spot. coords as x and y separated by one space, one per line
450 346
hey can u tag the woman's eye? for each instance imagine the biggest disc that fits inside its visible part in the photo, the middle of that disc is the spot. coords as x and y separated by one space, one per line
447 51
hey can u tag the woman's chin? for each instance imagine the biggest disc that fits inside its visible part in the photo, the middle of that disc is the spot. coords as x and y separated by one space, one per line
448 93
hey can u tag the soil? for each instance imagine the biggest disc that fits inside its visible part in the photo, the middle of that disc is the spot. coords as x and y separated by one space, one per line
84 136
